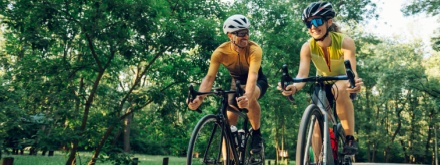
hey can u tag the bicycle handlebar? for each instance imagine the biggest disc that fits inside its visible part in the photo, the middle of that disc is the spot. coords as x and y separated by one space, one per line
284 83
286 79
350 73
192 94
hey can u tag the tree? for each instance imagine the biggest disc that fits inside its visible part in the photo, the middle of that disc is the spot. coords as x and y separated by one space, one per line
103 69
78 51
428 7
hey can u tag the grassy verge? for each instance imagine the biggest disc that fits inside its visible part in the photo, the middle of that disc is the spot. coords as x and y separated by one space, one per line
83 158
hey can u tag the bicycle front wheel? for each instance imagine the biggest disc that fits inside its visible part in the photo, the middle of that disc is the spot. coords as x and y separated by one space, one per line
310 137
205 145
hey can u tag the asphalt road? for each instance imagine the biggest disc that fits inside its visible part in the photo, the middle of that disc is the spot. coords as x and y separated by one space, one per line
382 164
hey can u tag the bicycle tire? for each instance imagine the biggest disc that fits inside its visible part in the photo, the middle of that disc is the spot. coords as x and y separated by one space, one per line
304 150
205 145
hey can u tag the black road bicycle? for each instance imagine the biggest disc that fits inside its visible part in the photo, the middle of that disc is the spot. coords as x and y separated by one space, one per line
320 117
214 140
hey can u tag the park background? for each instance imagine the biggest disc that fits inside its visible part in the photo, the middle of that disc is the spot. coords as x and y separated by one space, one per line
111 77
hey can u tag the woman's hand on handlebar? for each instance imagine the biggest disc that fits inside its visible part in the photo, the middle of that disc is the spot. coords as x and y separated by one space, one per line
290 89
194 104
358 85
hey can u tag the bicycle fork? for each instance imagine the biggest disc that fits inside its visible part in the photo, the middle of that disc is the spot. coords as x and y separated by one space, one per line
326 146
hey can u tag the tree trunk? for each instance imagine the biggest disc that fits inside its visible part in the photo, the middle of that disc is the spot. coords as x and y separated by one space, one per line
373 158
277 151
100 145
103 139
72 156
406 157
89 102
369 150
127 127
116 137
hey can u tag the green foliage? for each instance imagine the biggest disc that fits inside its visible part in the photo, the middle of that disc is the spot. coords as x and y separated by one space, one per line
431 8
421 6
116 156
87 65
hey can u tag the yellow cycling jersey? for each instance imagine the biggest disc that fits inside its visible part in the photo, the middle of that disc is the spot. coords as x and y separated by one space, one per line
331 64
238 65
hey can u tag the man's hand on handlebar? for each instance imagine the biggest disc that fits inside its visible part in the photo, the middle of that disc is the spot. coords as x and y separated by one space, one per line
242 102
358 84
194 104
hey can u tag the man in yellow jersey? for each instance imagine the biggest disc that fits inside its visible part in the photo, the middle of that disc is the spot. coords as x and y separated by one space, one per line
327 49
242 58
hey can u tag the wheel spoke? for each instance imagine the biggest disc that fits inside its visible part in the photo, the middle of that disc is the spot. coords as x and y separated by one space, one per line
205 145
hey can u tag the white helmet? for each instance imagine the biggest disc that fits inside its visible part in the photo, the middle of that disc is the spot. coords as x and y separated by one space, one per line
235 23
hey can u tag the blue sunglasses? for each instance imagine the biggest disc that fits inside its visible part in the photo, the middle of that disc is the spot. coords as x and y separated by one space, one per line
315 21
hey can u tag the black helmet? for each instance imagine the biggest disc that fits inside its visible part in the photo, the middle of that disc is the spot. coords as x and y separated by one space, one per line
323 9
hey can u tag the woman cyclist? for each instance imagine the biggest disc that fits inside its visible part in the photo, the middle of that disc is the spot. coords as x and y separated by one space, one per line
327 49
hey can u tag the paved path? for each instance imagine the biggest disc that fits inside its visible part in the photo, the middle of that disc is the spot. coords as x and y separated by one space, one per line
382 164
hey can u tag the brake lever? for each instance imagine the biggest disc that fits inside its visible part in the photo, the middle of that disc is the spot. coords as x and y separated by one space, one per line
192 94
350 75
285 79
239 92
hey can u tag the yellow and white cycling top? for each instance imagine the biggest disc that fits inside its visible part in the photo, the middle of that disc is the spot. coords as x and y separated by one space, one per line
331 64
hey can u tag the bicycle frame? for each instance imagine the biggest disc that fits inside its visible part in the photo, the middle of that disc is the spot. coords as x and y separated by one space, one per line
222 118
320 99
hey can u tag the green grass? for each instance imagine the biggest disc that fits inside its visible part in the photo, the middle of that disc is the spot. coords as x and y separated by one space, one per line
83 158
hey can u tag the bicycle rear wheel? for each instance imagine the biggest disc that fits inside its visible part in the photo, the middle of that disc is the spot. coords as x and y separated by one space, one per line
205 145
309 150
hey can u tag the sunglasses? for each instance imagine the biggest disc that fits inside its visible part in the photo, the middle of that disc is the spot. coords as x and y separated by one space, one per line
315 21
241 33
